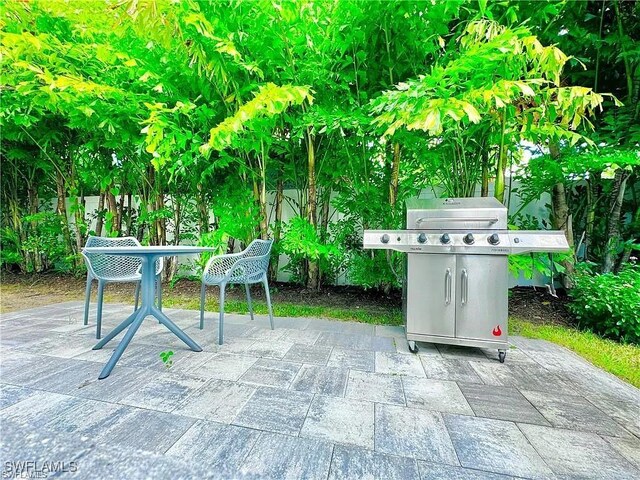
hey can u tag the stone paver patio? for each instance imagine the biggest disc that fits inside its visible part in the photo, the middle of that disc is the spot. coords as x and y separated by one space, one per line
311 399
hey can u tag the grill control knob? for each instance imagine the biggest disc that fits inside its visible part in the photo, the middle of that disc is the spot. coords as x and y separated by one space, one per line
384 238
468 239
445 238
494 239
422 238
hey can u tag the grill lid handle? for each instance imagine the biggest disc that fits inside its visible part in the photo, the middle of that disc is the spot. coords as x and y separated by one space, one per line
490 220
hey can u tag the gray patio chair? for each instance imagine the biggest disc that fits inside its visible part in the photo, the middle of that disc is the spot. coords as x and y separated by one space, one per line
113 269
249 266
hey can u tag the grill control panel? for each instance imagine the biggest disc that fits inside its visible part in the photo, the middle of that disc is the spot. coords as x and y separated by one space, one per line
501 242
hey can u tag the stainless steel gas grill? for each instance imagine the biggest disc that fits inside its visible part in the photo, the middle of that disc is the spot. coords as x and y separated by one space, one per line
456 283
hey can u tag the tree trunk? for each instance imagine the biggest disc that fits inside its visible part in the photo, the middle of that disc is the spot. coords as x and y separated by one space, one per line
561 217
203 211
61 210
613 222
395 173
484 190
100 218
277 227
129 214
81 228
590 217
172 262
313 274
112 214
502 164
120 211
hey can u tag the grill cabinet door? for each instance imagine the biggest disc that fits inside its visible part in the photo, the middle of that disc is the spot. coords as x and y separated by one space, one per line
430 294
481 297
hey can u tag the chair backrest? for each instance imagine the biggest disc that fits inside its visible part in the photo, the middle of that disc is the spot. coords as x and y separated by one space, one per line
254 261
112 266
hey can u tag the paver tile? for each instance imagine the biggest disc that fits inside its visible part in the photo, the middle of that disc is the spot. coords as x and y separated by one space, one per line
521 376
575 413
355 360
330 381
340 420
495 446
152 431
629 448
218 400
10 394
164 391
399 364
307 337
626 413
274 373
221 448
375 387
457 352
275 410
302 353
438 395
438 471
448 369
283 457
356 462
409 432
225 366
501 403
389 331
270 348
573 454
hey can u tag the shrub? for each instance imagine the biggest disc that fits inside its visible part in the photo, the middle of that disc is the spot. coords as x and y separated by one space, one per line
608 304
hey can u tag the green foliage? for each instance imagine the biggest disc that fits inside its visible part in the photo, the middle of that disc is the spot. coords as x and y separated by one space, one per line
199 110
166 358
300 241
609 304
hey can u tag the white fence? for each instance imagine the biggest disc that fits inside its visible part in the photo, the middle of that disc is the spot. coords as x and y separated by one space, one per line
535 209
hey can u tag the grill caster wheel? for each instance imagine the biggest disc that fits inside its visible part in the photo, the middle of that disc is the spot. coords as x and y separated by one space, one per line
501 355
413 346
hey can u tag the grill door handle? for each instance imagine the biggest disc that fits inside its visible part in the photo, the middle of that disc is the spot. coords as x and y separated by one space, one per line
447 287
490 220
464 291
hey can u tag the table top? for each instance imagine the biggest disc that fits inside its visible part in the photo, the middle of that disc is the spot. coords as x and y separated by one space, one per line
159 250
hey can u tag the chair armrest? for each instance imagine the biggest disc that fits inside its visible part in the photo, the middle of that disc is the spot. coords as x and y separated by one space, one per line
220 265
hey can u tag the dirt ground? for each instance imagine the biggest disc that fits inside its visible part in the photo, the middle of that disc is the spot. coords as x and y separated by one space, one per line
18 292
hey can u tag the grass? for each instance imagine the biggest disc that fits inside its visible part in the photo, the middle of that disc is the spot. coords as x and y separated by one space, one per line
623 361
379 316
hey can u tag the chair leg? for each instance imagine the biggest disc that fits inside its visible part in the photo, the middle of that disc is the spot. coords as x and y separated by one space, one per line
203 290
266 292
137 295
246 287
221 321
159 291
99 316
87 299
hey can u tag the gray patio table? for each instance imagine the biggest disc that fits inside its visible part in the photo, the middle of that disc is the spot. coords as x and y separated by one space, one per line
148 256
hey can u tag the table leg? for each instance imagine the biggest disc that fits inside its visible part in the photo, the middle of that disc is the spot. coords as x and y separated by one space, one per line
166 321
117 353
111 335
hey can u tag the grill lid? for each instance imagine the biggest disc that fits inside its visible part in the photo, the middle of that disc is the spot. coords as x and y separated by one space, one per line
485 213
